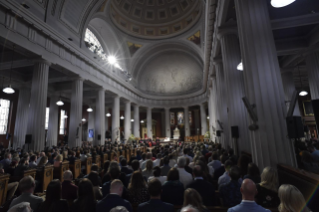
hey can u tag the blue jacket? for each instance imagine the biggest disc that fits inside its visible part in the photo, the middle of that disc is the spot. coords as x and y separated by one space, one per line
248 206
111 201
155 205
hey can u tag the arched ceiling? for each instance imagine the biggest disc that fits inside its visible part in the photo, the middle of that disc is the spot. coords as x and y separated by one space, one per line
155 19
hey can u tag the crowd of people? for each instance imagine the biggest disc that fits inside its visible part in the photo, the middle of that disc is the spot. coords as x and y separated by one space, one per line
194 176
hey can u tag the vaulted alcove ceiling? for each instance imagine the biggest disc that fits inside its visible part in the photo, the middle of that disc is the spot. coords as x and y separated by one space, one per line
155 19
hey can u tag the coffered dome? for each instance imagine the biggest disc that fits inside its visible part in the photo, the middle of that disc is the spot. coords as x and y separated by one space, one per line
155 19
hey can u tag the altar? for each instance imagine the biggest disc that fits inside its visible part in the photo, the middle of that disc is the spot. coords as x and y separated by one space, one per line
176 134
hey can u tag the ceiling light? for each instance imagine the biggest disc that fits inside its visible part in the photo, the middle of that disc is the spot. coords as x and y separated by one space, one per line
207 117
65 116
108 114
281 3
59 103
89 110
303 93
142 121
8 90
83 119
240 66
111 59
132 120
122 117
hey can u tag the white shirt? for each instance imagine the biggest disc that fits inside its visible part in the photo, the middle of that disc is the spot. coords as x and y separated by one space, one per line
162 179
185 177
190 158
172 162
143 164
38 161
156 162
224 178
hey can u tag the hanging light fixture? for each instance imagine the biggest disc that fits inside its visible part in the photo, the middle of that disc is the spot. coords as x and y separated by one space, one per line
9 89
142 121
207 117
83 119
132 120
122 117
60 103
281 3
108 115
65 116
240 66
302 92
89 109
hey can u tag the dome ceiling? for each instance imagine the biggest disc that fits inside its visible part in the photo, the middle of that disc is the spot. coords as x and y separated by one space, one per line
155 19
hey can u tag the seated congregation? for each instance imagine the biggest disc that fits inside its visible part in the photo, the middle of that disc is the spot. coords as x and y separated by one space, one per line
186 177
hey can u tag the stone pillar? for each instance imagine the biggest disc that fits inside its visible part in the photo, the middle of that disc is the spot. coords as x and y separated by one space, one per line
235 90
91 124
137 121
186 120
196 119
53 127
127 121
312 61
106 119
263 84
222 120
75 129
203 118
149 122
211 110
20 129
167 123
215 110
289 88
38 102
116 119
99 118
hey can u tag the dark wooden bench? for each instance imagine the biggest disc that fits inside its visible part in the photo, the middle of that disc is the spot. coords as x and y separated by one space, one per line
4 179
45 175
97 160
75 168
58 171
88 164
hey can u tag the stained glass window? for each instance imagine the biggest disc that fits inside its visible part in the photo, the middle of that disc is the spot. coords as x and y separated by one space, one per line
94 44
4 115
47 111
62 122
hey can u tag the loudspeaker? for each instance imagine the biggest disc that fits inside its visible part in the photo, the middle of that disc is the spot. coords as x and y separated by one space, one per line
99 137
8 136
234 132
218 133
295 127
315 107
28 139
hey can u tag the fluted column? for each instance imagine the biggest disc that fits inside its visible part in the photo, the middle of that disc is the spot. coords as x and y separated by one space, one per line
203 118
235 90
21 123
99 117
222 104
186 120
53 127
211 111
137 121
289 88
38 101
263 84
75 129
91 124
149 122
215 110
167 123
312 61
116 119
127 120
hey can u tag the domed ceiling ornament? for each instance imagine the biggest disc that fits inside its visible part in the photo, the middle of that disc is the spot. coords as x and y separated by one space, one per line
155 19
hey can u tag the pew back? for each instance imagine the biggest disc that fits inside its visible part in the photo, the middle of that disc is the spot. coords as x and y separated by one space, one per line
58 171
45 175
88 164
76 168
4 179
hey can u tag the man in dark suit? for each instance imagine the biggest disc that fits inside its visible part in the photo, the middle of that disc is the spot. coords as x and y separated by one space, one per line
125 168
220 171
155 204
165 168
69 190
114 198
204 188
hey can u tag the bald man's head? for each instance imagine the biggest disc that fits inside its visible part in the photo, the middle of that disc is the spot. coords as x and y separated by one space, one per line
67 175
248 190
116 187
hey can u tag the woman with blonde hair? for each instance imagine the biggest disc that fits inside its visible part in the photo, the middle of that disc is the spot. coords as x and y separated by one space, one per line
43 161
291 199
148 171
58 161
267 195
192 197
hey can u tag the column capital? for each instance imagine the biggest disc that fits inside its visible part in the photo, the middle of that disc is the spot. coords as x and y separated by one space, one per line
40 60
223 31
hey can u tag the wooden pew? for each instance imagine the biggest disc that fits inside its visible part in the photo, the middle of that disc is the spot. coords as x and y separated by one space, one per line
76 168
45 175
105 158
88 164
4 179
58 171
128 155
97 160
31 172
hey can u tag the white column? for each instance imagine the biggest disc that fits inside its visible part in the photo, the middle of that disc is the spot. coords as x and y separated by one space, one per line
186 120
116 119
38 102
137 121
99 118
127 120
21 123
211 111
312 61
203 118
75 129
149 122
263 84
53 127
167 123
106 119
222 104
289 88
235 90
215 110
196 119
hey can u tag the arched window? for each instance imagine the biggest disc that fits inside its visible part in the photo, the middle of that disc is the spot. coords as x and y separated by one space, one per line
93 44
